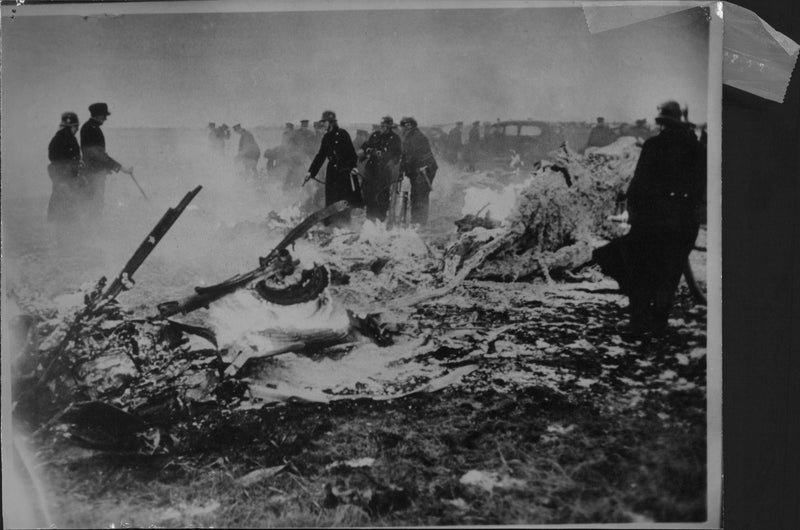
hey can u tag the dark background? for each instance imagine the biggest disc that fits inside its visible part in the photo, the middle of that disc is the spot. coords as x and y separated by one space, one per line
761 298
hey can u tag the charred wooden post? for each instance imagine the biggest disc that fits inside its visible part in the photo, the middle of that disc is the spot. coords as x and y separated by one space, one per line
205 295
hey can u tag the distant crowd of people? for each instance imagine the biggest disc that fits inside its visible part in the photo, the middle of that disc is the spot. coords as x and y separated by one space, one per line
384 154
78 173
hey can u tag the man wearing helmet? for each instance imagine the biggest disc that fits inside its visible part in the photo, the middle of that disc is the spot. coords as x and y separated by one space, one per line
341 181
382 152
65 157
419 165
664 202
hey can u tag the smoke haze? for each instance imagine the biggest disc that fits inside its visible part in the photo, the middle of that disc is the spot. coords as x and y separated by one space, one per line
165 76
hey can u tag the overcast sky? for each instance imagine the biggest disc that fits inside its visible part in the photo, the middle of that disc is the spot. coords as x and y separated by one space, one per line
268 68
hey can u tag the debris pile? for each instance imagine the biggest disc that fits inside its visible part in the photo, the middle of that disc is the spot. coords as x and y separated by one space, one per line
561 213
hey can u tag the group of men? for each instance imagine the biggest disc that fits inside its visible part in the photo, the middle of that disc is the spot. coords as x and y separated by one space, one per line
387 158
248 153
78 171
665 198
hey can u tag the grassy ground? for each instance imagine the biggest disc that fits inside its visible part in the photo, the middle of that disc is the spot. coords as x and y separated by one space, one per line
614 433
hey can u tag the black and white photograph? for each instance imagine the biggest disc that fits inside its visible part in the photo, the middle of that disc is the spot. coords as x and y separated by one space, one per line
337 264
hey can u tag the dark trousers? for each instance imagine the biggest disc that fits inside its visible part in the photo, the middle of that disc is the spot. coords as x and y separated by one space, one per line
657 256
340 186
376 190
420 196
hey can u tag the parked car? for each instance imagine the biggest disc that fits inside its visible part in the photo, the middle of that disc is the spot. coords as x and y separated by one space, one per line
530 139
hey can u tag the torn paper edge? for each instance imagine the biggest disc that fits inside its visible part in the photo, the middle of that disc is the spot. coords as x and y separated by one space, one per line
765 77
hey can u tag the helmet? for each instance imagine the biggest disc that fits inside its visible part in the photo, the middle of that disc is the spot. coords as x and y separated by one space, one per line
669 111
408 121
68 119
328 115
387 120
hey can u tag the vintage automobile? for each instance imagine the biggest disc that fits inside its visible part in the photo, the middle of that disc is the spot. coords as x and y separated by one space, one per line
528 139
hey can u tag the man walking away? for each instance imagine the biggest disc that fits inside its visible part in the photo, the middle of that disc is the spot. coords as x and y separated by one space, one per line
249 152
65 157
341 176
382 152
419 165
97 163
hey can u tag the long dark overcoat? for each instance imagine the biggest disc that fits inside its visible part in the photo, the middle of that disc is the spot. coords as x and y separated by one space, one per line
337 149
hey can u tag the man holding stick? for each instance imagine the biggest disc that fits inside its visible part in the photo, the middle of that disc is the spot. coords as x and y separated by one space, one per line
341 176
97 163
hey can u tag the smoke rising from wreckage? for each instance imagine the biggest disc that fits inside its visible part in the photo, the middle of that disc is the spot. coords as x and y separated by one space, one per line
407 322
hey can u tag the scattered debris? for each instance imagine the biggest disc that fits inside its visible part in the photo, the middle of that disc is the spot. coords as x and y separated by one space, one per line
259 475
489 481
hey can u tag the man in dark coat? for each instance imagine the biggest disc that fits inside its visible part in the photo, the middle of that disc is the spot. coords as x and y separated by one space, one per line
473 145
307 140
97 163
382 152
419 165
601 134
664 201
341 176
249 152
65 157
454 143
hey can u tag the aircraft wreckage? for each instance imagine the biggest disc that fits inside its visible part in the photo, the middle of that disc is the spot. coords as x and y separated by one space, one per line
102 362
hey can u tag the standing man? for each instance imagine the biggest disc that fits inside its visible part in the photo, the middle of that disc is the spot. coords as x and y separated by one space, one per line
454 142
382 151
419 165
601 134
249 152
307 139
473 145
664 203
97 162
341 176
287 136
65 157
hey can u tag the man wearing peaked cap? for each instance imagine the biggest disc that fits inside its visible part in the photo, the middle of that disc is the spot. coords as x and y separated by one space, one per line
249 152
97 163
601 134
382 152
419 165
307 140
99 109
454 143
341 175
